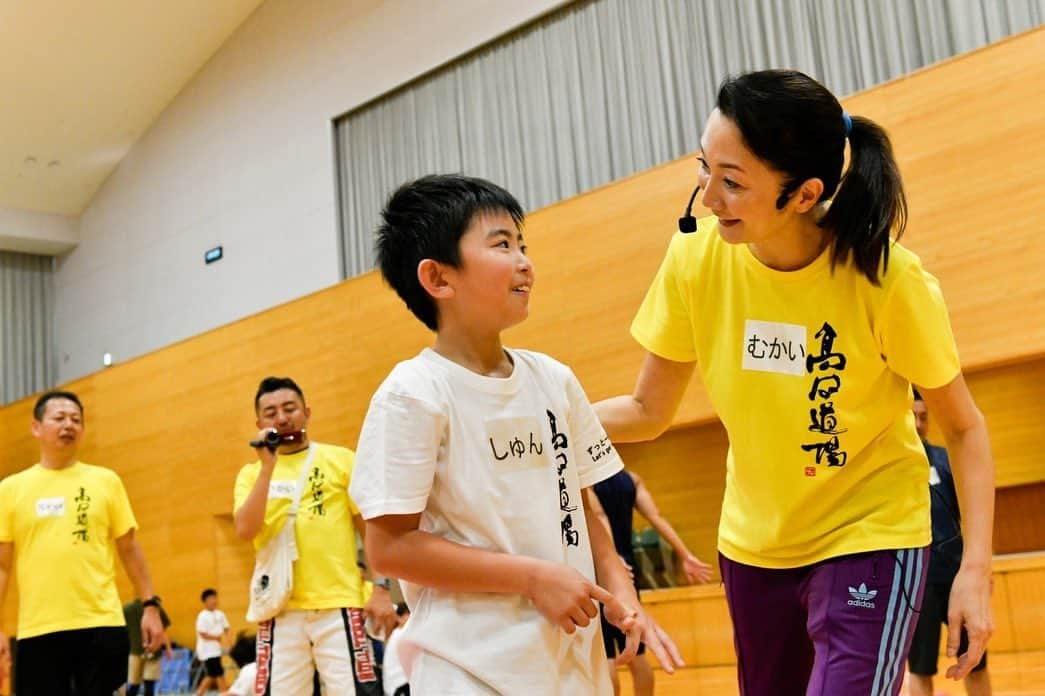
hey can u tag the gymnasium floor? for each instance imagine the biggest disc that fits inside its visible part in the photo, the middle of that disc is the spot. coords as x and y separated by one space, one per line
1012 674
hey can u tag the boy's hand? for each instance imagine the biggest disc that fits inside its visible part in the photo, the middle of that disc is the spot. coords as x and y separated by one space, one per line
626 615
564 596
645 630
381 611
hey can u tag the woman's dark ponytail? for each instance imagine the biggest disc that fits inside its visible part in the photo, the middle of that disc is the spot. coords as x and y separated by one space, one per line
796 125
870 202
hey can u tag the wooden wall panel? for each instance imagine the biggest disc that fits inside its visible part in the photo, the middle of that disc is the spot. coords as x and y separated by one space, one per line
685 471
174 423
698 618
1003 639
1019 519
971 153
1012 399
1026 595
234 566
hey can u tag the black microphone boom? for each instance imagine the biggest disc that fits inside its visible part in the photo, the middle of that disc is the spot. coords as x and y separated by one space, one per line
688 223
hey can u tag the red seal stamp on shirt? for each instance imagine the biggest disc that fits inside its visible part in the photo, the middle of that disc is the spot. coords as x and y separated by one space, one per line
810 471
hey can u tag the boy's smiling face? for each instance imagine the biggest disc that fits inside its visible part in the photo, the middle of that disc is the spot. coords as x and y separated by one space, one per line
491 287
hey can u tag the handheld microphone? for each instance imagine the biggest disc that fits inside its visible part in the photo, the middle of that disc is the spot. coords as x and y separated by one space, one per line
688 223
274 438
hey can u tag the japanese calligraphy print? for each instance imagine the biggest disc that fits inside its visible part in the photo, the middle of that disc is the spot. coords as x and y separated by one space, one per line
520 443
567 506
314 501
81 532
826 367
781 348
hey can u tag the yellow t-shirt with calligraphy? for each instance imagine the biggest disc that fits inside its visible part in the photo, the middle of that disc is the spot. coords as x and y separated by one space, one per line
809 371
63 524
325 574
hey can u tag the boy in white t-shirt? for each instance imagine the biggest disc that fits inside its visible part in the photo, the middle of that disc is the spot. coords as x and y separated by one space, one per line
473 463
243 653
211 628
244 684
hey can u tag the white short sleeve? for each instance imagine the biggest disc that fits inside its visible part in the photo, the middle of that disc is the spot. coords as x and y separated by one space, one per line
396 457
244 684
596 456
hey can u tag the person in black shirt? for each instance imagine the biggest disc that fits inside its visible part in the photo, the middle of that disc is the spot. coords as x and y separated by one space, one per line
614 502
944 559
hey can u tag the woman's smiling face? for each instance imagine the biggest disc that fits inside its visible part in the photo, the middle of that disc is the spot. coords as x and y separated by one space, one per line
738 188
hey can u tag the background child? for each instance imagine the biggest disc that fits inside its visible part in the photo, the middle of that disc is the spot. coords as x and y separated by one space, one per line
211 628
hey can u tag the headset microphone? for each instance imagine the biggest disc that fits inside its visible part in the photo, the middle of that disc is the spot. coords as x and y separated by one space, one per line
688 223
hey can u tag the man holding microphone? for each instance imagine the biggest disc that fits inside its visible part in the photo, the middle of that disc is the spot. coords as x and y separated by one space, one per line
321 628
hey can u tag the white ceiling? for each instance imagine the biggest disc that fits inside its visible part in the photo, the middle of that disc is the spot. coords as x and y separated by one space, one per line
81 80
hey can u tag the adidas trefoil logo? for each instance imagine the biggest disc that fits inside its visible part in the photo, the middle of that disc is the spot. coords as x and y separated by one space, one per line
861 596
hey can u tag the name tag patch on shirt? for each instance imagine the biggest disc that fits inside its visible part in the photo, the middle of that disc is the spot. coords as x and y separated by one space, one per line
282 489
515 443
771 346
50 507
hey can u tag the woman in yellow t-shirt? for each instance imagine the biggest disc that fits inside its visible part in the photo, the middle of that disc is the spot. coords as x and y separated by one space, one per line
809 325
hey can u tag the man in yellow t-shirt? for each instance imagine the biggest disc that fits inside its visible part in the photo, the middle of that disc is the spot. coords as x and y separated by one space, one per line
63 519
322 627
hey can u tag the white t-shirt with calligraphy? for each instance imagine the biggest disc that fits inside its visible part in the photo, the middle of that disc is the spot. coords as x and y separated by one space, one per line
497 464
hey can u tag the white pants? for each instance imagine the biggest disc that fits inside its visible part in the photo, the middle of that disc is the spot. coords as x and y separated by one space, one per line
298 643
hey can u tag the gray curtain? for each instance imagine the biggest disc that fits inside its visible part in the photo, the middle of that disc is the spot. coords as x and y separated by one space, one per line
27 359
606 88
